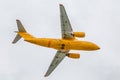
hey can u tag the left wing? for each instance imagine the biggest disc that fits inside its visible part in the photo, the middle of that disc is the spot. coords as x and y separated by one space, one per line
66 28
60 55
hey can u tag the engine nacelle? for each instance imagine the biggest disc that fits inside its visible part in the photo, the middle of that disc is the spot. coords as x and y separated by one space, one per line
79 34
73 55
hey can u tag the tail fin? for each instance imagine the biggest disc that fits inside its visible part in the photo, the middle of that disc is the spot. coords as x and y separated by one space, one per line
20 29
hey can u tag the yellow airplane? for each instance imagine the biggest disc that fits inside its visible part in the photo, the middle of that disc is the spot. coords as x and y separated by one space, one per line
63 46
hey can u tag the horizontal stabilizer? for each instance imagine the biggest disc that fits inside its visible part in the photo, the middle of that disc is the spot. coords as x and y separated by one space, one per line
20 26
16 39
20 29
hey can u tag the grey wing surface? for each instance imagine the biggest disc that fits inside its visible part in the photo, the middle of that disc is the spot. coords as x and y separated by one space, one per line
66 29
60 55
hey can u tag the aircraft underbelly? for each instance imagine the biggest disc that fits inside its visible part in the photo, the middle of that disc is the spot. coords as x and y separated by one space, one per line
64 44
70 45
76 46
60 45
83 45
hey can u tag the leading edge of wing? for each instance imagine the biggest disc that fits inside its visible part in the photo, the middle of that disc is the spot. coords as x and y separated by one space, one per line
60 55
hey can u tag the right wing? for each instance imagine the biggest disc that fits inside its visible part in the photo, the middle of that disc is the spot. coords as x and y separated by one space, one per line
66 29
60 55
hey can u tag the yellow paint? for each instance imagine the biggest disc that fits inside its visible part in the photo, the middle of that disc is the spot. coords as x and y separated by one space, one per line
73 55
79 34
59 44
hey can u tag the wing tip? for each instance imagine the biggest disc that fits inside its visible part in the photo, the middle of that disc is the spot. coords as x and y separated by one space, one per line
45 75
17 20
61 4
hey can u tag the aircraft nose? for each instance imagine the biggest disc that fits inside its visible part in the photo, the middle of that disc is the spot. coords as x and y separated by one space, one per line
96 47
93 46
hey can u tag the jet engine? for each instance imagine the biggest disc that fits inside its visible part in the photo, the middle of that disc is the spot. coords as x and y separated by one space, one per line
73 55
79 34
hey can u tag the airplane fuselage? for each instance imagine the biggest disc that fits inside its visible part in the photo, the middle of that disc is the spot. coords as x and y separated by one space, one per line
60 44
63 44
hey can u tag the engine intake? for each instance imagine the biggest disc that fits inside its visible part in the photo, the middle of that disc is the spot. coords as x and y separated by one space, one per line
73 55
79 34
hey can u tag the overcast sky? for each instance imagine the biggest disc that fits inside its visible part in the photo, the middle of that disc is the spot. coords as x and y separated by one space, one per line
99 19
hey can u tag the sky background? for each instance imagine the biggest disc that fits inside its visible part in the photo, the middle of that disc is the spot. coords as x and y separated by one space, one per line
99 19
